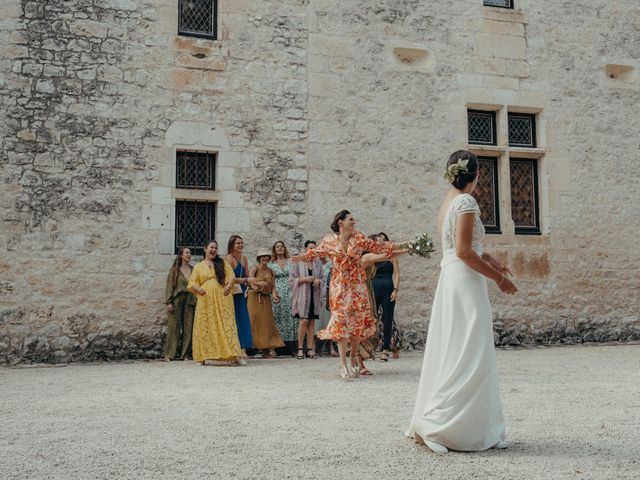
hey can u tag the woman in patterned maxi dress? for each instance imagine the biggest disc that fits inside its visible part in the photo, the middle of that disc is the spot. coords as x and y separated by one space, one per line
351 319
287 325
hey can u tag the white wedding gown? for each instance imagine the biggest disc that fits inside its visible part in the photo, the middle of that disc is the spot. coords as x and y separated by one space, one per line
458 403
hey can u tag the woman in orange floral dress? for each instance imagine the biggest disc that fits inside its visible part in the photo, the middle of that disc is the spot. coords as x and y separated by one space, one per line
351 318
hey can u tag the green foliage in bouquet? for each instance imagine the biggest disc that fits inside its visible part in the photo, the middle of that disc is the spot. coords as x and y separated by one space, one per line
421 246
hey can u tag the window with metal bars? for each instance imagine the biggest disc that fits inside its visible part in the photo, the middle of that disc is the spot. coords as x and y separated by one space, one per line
198 18
486 193
498 3
524 195
195 224
522 130
481 127
195 170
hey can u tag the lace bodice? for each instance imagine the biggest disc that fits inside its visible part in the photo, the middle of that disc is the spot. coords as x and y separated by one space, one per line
463 203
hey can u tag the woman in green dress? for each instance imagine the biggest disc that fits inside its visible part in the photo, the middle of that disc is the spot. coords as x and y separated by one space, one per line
181 306
287 325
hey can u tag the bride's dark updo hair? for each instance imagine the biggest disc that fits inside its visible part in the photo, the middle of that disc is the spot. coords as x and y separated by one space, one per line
341 215
462 179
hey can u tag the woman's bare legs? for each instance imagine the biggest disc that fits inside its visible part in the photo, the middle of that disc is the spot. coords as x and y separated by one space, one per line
311 323
303 326
342 351
355 344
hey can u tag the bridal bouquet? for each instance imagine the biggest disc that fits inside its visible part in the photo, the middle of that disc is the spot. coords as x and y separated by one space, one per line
421 246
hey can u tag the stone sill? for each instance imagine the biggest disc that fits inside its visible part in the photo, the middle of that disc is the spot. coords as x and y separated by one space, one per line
196 195
523 152
482 150
514 152
504 15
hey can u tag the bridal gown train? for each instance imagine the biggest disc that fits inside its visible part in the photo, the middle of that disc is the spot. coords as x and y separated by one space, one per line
458 402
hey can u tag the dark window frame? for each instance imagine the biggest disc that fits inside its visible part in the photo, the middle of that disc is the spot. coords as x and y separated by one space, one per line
510 7
494 127
494 229
195 249
182 156
534 133
536 197
214 26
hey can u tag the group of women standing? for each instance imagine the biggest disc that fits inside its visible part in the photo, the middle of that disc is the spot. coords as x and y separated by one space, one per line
273 306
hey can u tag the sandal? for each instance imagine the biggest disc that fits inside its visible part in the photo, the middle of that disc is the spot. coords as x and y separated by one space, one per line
364 371
311 353
300 355
384 357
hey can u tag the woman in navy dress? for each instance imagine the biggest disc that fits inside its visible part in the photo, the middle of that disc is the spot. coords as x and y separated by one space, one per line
240 266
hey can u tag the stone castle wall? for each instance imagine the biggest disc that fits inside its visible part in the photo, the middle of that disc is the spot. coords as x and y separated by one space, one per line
311 106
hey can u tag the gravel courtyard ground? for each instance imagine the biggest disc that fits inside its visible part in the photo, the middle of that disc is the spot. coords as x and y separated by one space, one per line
571 412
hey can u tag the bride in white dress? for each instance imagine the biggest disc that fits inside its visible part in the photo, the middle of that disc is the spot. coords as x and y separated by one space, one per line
458 404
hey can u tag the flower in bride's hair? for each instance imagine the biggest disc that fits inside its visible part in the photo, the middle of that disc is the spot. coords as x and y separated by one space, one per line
455 169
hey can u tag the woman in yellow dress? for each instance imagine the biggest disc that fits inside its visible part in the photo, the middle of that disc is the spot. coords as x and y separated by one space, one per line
215 335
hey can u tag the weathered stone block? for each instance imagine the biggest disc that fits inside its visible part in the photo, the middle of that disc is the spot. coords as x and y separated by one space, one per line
88 28
54 71
510 47
324 85
188 60
329 45
184 79
45 86
492 66
123 5
517 68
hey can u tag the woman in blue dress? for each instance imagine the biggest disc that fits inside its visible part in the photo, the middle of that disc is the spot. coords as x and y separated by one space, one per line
240 266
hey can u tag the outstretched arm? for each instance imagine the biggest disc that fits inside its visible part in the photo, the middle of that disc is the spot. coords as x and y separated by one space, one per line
395 278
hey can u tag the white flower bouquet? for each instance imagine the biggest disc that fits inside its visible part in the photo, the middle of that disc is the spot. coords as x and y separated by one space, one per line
422 245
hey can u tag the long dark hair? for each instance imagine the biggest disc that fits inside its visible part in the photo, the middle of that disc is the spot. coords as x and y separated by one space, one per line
218 264
341 215
175 268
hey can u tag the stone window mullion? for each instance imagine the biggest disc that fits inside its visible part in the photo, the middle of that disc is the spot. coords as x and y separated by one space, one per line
504 192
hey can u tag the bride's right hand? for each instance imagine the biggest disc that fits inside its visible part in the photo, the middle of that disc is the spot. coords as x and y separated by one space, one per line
506 285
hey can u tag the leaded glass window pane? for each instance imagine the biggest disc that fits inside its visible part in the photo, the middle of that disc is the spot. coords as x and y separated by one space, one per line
194 225
197 18
498 3
522 130
524 195
482 127
195 170
486 193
